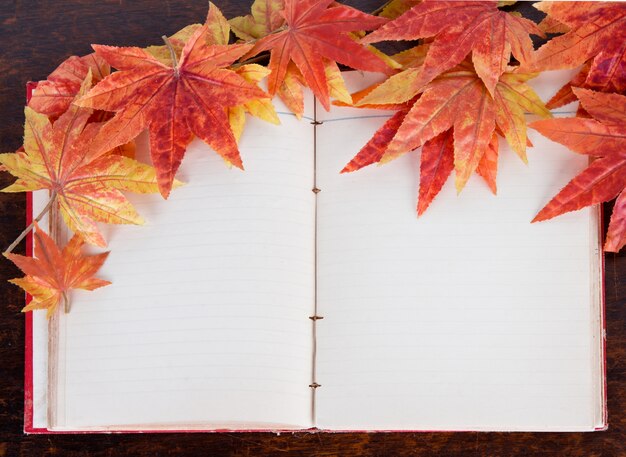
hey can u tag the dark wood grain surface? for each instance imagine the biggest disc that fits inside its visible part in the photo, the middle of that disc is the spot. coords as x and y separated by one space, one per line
35 36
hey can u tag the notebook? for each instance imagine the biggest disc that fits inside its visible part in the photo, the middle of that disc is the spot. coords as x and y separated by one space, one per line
293 297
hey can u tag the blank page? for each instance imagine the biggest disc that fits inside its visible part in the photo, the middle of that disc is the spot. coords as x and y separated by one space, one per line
467 318
206 322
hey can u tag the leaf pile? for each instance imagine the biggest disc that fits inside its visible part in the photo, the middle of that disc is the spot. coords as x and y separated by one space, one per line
453 93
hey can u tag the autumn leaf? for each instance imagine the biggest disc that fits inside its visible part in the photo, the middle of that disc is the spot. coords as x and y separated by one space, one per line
602 136
596 30
174 102
53 272
266 16
454 115
315 31
85 186
460 28
596 37
54 95
177 41
266 19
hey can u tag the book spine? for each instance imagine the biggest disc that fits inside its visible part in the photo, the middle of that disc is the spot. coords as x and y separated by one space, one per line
315 317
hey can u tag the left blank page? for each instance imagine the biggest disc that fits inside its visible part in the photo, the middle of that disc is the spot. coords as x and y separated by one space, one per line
206 323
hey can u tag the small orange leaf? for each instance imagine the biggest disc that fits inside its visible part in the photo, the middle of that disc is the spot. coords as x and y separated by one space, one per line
52 273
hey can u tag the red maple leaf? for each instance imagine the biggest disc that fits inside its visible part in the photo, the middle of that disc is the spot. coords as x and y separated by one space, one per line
461 27
315 30
53 273
603 136
175 102
456 121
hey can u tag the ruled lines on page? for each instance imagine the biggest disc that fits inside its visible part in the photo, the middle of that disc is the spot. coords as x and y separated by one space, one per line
206 322
468 318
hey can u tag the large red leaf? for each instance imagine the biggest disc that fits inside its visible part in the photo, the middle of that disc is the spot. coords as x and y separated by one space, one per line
459 104
174 102
460 28
86 187
54 95
604 137
596 37
315 31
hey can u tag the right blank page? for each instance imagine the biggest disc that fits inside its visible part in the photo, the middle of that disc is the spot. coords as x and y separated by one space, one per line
468 318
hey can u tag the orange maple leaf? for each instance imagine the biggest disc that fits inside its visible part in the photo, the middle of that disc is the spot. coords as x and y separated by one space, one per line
175 102
316 32
604 136
85 186
456 119
461 27
52 273
54 95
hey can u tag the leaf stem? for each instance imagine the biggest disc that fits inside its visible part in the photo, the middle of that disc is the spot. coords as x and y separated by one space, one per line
53 198
172 53
66 303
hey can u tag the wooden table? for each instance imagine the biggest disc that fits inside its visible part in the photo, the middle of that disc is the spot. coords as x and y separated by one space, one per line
36 36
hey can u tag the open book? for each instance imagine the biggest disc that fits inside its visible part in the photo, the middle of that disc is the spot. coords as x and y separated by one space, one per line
250 302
